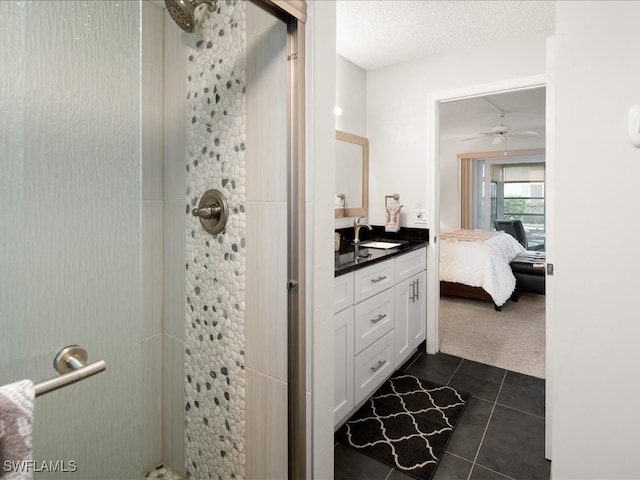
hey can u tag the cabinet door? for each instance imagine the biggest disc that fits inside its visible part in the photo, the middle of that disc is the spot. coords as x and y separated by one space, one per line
410 321
404 293
343 365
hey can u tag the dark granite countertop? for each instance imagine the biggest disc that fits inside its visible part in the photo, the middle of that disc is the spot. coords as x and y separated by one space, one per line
409 239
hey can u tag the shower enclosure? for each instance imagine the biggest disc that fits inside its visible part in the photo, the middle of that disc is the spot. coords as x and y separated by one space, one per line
114 124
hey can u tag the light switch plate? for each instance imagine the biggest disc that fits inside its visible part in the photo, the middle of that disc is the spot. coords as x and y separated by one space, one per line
633 125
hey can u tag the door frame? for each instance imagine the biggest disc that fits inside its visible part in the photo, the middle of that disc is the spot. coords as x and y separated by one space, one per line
433 187
433 182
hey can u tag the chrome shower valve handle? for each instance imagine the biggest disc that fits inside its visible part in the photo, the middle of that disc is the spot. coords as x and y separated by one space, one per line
213 211
207 212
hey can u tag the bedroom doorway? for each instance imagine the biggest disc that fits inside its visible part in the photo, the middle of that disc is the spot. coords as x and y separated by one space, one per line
473 110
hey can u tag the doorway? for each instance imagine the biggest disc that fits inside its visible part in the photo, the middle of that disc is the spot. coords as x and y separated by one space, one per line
434 160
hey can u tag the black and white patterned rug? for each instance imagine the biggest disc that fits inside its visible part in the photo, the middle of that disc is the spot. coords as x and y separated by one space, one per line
407 424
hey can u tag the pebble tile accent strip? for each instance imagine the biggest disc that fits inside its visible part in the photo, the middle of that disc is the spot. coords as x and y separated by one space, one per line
215 280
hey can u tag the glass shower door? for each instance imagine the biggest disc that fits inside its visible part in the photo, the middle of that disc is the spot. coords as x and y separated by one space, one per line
70 231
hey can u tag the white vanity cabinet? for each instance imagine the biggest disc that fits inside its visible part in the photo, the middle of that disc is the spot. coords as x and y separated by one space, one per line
380 318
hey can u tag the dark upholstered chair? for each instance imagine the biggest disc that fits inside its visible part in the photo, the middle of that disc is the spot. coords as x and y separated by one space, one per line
529 270
513 228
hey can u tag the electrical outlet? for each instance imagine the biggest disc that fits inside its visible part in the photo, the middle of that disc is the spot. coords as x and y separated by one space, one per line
421 216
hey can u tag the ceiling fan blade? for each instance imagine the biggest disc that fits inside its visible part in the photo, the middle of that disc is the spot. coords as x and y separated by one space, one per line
524 132
478 135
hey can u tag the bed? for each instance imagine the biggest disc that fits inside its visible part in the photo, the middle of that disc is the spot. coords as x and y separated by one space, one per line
475 264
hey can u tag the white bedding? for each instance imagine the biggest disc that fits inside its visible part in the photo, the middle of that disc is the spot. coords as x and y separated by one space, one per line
482 263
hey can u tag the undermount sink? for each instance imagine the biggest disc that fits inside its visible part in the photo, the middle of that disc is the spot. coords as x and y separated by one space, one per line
342 259
380 244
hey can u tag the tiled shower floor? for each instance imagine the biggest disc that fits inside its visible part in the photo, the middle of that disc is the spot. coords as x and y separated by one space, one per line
165 473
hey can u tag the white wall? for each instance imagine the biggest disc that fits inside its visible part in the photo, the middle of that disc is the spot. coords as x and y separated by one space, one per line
397 113
320 150
351 96
593 348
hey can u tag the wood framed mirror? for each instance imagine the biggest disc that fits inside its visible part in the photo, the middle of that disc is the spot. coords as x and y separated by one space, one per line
352 175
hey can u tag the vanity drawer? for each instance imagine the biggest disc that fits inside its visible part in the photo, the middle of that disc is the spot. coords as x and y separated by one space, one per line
411 263
373 366
374 279
342 292
374 318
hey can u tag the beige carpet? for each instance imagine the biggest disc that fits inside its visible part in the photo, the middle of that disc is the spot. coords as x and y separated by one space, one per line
513 339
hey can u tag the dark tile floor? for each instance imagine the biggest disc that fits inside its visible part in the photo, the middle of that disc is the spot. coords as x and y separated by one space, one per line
500 435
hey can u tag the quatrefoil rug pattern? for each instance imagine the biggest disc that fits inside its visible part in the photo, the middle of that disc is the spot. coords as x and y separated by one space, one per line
407 424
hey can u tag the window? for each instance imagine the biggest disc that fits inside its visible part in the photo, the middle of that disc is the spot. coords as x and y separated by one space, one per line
515 188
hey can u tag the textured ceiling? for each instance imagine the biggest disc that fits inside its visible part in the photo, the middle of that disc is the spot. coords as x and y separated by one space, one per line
378 33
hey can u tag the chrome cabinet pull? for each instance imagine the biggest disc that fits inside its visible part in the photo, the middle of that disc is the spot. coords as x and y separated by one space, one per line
413 291
380 317
417 289
378 366
379 279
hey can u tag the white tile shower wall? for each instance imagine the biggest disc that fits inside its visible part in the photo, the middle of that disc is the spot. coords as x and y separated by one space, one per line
268 431
152 225
266 302
175 151
174 400
152 402
215 284
152 212
266 335
267 211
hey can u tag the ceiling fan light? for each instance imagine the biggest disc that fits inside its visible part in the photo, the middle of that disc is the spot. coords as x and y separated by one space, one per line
500 129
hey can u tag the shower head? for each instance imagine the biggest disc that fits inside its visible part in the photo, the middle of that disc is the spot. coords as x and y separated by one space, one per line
183 11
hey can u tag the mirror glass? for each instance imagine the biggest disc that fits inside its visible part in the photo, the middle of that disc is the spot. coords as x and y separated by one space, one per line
352 172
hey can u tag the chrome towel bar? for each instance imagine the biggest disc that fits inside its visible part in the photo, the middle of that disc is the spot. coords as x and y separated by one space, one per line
71 363
395 196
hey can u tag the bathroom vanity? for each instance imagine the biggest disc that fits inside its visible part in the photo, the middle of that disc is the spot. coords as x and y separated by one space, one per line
379 317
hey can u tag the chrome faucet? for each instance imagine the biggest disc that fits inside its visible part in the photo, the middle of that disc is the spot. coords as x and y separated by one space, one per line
356 239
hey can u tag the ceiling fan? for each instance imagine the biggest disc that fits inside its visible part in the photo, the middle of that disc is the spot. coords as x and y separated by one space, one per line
500 132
